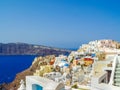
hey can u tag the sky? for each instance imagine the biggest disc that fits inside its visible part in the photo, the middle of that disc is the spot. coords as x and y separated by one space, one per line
59 23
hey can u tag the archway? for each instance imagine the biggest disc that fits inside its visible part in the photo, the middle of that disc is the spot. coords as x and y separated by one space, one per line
37 87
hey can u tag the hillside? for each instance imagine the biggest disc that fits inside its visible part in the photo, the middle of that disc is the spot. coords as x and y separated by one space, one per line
106 46
16 82
29 49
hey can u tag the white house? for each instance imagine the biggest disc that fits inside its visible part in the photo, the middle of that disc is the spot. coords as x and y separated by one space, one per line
40 83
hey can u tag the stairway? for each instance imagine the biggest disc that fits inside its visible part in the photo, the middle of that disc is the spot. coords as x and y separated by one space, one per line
117 75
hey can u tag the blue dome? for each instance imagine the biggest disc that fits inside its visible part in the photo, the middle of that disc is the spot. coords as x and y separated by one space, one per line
66 64
64 61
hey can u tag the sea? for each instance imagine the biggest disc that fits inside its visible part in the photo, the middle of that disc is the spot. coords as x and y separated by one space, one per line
10 65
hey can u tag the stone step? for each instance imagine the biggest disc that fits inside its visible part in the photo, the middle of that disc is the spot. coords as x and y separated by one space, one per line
117 80
117 69
117 73
116 77
118 65
117 84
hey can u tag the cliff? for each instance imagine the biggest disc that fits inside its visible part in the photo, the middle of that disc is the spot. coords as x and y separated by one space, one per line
35 65
29 49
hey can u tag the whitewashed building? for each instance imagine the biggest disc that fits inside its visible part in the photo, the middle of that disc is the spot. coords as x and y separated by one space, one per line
40 83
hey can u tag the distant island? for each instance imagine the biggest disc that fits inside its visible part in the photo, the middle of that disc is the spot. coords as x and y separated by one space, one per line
30 49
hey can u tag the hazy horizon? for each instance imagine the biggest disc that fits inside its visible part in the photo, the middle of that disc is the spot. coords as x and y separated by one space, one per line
59 23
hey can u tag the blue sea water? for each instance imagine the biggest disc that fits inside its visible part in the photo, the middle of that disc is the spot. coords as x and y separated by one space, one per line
10 65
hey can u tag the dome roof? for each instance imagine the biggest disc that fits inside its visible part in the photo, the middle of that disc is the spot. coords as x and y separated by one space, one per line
66 64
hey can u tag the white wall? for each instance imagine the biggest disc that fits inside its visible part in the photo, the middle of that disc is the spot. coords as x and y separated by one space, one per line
44 82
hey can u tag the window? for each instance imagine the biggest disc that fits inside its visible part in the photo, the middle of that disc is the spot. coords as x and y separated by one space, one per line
37 87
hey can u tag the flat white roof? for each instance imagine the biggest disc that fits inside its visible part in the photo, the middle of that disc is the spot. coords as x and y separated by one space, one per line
45 83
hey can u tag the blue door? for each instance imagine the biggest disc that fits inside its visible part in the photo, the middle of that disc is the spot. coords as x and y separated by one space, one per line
37 87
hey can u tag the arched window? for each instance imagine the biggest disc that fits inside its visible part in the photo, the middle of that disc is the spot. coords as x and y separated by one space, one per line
37 87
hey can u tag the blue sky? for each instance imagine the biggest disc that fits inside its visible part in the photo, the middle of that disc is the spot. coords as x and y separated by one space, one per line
59 23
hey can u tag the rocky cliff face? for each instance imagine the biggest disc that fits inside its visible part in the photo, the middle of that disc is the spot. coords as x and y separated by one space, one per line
29 49
35 65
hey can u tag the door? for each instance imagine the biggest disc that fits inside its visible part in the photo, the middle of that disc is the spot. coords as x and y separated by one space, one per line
37 87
